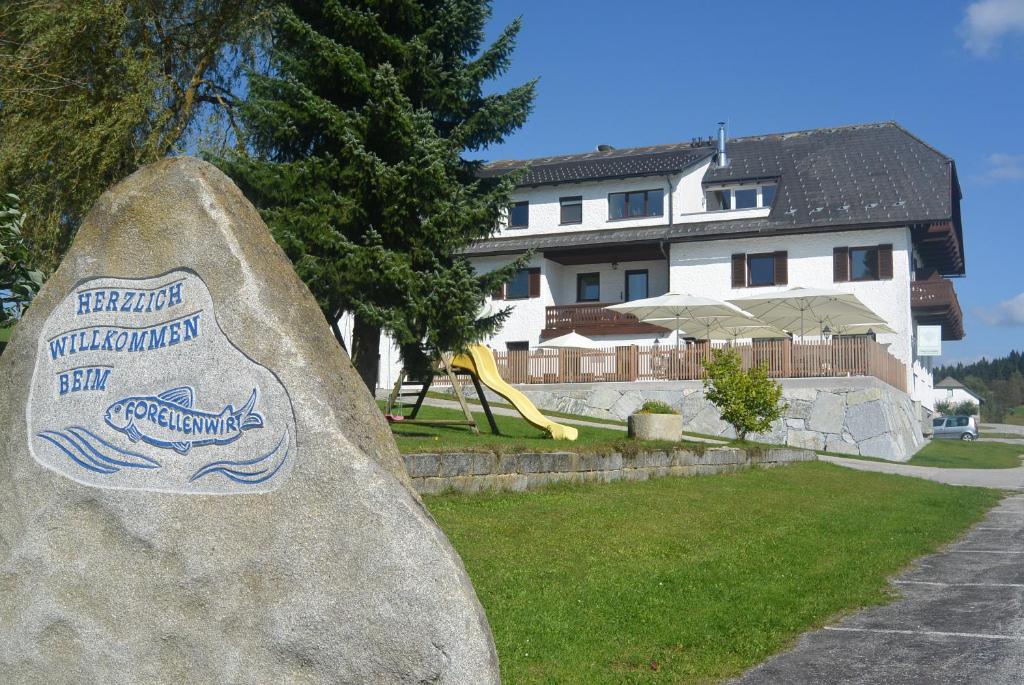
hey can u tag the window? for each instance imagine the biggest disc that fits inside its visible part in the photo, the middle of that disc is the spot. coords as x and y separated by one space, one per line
863 263
572 209
525 284
588 287
636 285
519 215
744 198
748 197
757 270
760 269
518 346
719 200
636 204
867 263
519 287
938 423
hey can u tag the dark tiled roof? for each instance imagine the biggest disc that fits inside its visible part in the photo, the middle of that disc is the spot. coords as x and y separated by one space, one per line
950 382
594 166
854 176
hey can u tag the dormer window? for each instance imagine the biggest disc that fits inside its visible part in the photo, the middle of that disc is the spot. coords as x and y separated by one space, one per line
740 197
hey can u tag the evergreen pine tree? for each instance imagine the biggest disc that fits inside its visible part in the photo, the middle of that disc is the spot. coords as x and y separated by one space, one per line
357 135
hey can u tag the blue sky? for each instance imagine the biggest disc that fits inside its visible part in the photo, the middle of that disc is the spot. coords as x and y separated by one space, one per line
650 72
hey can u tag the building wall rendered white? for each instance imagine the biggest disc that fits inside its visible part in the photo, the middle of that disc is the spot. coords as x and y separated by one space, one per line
954 395
687 206
390 359
922 390
526 319
613 280
705 268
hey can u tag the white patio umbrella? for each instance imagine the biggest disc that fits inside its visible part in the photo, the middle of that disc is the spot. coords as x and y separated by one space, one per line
859 328
795 308
725 331
681 308
570 341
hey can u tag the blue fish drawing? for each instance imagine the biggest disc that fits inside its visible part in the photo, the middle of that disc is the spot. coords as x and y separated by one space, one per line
171 421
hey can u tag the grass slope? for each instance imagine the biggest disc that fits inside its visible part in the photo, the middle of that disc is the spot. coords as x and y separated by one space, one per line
1015 416
516 436
957 454
689 579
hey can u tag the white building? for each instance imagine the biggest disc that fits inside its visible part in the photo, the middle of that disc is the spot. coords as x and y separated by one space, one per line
869 209
954 392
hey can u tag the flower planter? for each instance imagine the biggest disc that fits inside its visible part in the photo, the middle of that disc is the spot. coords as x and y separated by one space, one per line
655 427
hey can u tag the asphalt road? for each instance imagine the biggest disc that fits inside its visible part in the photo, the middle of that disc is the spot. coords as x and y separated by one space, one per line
961 620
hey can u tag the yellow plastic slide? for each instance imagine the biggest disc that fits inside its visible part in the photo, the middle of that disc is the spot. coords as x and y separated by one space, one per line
480 362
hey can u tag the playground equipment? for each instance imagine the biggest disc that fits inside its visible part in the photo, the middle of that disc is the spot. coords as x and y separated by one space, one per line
479 364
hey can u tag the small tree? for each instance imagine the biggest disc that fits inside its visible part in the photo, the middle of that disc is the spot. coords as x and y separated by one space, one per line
19 282
748 400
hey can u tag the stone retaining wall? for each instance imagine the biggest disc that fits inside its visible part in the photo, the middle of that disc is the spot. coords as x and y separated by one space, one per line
473 471
858 415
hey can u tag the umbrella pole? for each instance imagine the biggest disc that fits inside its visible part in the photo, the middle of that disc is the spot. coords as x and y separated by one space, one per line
675 359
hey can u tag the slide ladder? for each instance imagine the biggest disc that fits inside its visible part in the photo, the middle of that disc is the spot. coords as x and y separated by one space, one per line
479 361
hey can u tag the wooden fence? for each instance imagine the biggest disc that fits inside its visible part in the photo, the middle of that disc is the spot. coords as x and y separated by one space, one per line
784 358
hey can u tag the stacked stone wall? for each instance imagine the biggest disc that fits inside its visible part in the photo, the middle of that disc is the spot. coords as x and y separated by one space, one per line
858 415
476 471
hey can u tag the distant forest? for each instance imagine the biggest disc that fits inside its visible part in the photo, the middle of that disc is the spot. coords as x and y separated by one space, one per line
999 381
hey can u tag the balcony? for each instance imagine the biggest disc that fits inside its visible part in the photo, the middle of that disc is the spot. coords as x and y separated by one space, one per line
631 363
933 302
593 319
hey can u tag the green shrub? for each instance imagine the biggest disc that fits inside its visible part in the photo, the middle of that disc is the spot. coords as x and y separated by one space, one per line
655 407
965 408
19 282
748 400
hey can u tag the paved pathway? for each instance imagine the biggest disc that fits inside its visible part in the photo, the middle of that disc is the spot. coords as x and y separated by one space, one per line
961 620
1005 479
1002 428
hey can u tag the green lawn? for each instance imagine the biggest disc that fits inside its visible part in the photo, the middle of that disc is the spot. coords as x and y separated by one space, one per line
1015 416
1011 436
957 454
516 436
689 579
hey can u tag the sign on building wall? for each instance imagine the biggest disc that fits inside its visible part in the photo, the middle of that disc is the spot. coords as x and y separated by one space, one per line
929 341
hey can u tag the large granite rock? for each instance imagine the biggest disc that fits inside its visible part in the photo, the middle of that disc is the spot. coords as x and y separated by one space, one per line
199 488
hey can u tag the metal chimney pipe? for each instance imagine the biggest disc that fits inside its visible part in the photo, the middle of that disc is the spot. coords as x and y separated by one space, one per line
723 159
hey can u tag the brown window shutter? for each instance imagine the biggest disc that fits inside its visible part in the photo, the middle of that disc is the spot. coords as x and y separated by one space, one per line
885 262
841 264
739 271
534 282
781 268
